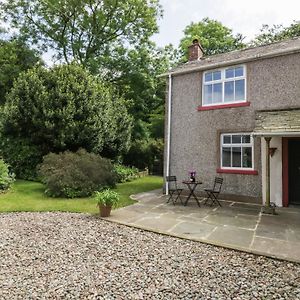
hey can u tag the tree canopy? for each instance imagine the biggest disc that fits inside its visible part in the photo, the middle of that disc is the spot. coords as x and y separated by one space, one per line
275 33
64 108
15 57
81 30
214 37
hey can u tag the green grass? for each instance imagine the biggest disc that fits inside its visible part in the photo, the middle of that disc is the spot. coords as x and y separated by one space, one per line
29 196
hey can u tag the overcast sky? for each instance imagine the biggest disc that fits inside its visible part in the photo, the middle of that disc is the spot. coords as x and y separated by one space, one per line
243 16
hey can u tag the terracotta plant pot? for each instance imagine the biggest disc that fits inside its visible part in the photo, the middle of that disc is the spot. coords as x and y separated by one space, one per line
104 210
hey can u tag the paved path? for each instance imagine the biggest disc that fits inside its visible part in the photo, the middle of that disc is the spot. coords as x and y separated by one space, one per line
234 225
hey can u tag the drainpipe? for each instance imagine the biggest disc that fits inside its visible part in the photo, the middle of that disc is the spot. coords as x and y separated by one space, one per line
169 131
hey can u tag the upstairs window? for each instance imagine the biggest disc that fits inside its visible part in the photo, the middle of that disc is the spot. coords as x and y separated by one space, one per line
224 86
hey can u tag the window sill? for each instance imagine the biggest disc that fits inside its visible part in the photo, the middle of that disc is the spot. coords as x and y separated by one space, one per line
220 106
237 171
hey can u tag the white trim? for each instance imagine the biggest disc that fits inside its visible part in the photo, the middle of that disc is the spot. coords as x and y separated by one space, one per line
242 145
169 131
222 81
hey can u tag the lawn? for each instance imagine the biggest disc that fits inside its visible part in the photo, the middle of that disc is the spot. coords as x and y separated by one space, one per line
29 196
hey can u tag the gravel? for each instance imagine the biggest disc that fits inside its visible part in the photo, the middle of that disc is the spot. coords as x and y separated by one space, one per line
78 256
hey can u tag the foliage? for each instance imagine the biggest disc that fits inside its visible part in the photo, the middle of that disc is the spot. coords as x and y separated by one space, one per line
82 30
107 198
135 73
125 173
77 174
30 196
6 178
64 108
22 156
275 33
149 153
214 37
15 57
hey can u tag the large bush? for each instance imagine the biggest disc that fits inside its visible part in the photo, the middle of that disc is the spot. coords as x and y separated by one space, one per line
22 155
79 174
6 179
64 108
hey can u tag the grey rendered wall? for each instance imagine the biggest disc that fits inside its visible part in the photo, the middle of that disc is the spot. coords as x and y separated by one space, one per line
195 135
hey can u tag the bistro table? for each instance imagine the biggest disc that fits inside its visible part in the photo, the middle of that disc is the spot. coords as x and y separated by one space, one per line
192 186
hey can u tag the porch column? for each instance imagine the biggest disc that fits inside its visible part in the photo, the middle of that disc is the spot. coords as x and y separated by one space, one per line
267 139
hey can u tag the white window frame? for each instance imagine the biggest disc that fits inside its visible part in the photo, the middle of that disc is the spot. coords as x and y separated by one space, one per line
223 80
251 144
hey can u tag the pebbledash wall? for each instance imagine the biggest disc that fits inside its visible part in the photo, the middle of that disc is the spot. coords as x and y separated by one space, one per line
271 83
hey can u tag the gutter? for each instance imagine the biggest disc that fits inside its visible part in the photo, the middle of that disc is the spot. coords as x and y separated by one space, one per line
169 131
231 62
276 133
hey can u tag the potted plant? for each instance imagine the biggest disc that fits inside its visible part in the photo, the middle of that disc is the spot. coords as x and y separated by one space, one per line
106 200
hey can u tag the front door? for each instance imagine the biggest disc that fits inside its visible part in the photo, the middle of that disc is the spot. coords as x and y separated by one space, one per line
294 171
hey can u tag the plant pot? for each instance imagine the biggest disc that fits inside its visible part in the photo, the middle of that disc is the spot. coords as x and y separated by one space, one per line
105 210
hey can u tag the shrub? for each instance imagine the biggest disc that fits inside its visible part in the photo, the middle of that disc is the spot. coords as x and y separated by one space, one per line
59 109
149 153
79 174
126 173
6 179
21 156
107 198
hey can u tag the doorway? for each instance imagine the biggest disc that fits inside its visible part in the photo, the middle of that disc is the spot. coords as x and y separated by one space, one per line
294 171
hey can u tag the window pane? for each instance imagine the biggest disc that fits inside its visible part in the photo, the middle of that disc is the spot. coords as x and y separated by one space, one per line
247 157
226 139
217 93
236 139
226 157
208 77
208 94
246 139
229 91
240 89
236 156
239 71
229 73
217 75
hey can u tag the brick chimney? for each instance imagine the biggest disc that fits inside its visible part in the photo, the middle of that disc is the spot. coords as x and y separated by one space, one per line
195 51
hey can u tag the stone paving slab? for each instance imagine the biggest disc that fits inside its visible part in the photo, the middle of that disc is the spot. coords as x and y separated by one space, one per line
239 226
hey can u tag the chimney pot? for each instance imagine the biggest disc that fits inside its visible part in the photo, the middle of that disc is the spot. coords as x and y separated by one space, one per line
195 51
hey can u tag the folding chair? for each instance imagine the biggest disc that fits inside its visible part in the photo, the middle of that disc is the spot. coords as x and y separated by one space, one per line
174 191
213 194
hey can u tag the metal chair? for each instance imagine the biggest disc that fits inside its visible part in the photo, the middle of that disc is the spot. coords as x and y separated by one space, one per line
213 194
174 191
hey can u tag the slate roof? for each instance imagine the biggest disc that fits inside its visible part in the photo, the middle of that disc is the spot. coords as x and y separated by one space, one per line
239 56
277 121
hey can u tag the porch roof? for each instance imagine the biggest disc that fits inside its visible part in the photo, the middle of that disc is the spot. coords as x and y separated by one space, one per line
277 123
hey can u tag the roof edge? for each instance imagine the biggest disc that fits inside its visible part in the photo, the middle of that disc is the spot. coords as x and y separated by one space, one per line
233 61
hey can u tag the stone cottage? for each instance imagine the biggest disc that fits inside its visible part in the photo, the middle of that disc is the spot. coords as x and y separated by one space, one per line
237 115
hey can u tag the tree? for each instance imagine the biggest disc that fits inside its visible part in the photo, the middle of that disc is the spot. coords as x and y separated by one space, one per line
15 57
214 37
275 33
134 72
64 108
82 30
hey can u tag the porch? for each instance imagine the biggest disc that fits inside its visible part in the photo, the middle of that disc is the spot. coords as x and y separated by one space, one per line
235 225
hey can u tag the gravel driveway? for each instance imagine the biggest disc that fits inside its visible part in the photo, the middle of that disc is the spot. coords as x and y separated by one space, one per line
77 256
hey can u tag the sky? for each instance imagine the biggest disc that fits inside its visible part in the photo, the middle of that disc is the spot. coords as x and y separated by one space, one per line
242 16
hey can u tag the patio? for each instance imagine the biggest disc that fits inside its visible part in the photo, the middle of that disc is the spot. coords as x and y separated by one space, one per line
235 225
